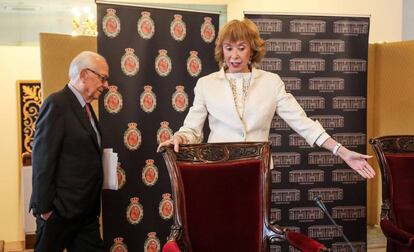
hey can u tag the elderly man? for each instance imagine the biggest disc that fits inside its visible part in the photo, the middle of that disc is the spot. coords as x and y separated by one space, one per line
67 166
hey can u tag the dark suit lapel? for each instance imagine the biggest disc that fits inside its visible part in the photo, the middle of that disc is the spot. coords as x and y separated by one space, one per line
81 115
97 127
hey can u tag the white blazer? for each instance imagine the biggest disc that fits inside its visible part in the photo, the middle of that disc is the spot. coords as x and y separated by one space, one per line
265 96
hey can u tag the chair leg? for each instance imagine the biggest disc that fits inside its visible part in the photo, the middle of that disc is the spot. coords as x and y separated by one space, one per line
391 247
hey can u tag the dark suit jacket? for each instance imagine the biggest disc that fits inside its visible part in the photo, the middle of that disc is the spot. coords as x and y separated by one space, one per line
66 158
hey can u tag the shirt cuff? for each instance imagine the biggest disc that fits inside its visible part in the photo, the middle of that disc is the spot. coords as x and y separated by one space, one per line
322 138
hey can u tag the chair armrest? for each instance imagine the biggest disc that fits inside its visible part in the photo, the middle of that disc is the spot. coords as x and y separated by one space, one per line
175 242
303 242
297 240
275 233
171 246
394 233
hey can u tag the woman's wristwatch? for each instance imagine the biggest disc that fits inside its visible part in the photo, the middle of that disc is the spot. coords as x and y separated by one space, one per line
336 148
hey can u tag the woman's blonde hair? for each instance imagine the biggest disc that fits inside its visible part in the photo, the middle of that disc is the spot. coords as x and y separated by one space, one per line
237 30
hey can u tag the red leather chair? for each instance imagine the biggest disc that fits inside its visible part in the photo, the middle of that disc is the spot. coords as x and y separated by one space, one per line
221 199
395 155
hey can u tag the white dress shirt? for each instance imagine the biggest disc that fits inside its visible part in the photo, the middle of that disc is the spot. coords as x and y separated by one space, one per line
83 104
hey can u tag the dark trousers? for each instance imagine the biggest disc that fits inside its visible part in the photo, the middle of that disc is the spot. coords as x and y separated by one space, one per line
76 235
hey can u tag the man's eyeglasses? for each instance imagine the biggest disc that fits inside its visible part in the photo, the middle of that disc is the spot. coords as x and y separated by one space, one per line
102 78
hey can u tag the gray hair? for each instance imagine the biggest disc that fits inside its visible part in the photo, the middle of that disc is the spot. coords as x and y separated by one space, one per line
83 60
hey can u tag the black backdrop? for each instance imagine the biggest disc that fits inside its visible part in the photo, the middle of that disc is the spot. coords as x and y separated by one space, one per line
323 62
155 58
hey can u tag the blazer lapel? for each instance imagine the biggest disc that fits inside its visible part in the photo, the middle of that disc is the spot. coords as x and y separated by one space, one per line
81 115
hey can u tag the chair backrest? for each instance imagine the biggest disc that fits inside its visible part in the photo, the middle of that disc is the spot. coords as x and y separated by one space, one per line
395 156
221 195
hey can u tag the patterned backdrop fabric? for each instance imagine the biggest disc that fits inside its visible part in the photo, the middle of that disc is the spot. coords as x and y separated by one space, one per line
323 63
155 57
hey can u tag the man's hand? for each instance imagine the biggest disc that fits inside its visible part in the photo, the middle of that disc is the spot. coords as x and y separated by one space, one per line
46 216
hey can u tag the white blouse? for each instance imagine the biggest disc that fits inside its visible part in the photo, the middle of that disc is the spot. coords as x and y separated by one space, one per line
239 83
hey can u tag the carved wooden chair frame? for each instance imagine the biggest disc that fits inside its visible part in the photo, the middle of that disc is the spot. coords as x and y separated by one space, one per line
215 153
398 144
389 144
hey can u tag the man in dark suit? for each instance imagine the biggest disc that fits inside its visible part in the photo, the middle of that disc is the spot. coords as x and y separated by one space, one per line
67 164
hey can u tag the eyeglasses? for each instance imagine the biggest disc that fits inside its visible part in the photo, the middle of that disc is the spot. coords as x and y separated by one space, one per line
102 78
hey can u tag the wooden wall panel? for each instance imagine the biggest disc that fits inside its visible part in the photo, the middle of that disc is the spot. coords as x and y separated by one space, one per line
56 53
373 185
390 103
394 88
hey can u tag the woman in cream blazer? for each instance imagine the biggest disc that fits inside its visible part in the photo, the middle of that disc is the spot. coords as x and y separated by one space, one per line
240 100
266 95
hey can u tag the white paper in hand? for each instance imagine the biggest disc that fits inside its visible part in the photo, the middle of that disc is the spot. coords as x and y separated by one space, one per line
109 162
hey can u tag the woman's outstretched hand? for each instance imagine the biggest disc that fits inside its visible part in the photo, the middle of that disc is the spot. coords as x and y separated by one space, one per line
357 161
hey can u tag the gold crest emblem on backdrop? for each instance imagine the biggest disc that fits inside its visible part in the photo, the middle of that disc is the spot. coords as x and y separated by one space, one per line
166 207
121 175
208 32
132 137
164 133
148 99
194 64
113 100
178 29
149 173
135 211
130 62
152 243
163 63
119 245
111 24
145 25
179 99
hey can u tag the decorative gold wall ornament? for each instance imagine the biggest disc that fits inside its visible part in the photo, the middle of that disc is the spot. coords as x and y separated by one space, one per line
29 97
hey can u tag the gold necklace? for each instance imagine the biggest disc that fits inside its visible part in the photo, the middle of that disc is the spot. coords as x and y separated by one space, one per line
245 87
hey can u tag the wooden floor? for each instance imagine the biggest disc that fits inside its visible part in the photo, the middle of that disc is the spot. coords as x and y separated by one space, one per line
375 239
